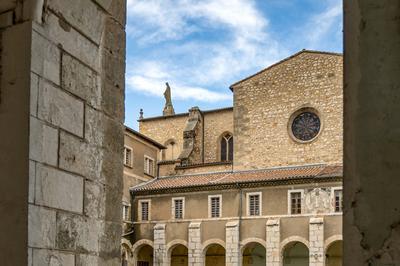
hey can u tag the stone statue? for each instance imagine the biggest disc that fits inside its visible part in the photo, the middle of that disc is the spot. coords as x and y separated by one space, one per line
168 108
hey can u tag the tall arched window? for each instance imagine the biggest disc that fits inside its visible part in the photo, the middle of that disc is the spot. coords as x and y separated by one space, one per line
171 153
226 147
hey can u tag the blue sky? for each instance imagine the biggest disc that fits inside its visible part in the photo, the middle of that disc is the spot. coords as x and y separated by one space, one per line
202 47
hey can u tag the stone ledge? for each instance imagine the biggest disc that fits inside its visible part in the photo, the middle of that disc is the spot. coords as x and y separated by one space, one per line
315 220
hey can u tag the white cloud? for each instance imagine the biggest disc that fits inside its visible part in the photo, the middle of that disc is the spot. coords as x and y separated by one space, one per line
152 82
324 23
242 44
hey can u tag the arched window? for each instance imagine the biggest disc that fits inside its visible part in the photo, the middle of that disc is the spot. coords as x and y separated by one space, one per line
226 148
171 153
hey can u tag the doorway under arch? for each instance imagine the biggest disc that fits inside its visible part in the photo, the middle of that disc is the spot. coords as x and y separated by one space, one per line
254 254
214 255
295 254
179 255
334 254
144 256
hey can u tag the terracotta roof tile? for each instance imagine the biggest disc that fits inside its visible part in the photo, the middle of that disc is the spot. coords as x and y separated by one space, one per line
253 176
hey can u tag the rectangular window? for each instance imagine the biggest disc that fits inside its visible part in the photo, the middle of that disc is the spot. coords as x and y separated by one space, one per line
149 166
254 204
295 202
214 206
338 193
128 156
178 208
125 212
144 210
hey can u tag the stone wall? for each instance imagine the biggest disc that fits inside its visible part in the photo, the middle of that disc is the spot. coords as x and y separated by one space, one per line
215 125
70 124
372 133
264 103
216 122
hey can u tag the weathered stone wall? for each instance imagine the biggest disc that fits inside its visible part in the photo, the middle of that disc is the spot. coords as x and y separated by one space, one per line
75 71
163 129
215 124
264 103
372 133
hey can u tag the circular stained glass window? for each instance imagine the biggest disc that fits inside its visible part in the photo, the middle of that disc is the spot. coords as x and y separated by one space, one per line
306 126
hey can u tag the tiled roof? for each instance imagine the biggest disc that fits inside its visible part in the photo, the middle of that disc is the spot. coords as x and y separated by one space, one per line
240 177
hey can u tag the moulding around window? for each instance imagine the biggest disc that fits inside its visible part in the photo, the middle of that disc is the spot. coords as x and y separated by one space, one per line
248 194
289 206
220 205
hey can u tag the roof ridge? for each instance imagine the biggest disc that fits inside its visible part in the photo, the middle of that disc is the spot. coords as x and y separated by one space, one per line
282 61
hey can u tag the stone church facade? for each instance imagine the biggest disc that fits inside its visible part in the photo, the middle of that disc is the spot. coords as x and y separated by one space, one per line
259 183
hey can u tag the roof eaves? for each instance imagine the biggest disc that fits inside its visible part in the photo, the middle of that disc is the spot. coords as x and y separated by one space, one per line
282 61
144 137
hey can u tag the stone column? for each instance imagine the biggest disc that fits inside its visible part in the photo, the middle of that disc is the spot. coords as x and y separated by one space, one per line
273 242
232 255
61 114
316 242
160 254
371 133
195 249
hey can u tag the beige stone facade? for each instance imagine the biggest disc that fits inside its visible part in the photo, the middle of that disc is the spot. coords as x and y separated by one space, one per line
278 201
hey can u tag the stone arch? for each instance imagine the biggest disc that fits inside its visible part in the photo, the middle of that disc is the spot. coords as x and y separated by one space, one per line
293 239
127 246
333 250
331 240
172 150
253 251
220 137
246 241
137 246
209 242
214 252
170 248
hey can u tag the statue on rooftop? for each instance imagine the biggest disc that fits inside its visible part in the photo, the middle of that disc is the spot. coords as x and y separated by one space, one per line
168 108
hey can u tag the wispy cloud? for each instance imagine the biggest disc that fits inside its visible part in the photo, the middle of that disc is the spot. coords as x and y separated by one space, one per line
152 82
240 43
325 23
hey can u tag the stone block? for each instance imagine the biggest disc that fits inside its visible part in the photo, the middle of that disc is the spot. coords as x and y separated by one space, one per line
114 38
60 108
41 227
104 132
34 94
86 16
60 32
112 99
45 58
58 189
110 241
32 180
43 142
78 156
113 204
114 68
43 257
78 233
80 80
95 202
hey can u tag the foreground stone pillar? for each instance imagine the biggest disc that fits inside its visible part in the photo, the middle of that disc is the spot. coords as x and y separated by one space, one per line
273 242
61 113
371 225
232 256
160 253
316 238
195 249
